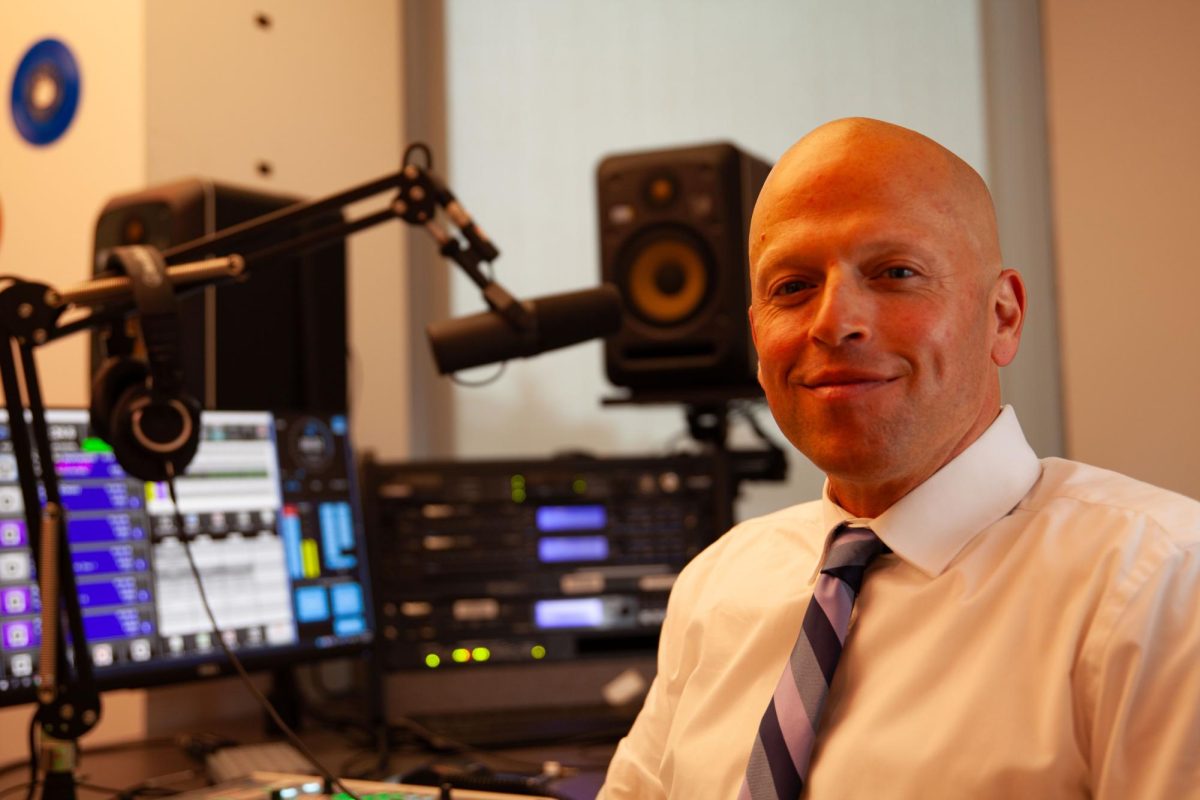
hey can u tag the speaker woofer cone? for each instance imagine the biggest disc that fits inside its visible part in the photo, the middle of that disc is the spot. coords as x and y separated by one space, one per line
668 277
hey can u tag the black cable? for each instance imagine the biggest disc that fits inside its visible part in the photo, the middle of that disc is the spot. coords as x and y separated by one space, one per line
329 777
444 744
488 381
156 786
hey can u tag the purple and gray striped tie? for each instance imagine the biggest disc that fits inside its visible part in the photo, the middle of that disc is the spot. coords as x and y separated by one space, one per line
778 768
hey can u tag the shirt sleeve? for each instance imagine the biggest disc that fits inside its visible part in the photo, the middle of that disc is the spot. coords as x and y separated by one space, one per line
635 772
1146 728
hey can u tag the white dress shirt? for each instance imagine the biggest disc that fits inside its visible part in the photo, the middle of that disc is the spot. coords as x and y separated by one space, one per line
1035 634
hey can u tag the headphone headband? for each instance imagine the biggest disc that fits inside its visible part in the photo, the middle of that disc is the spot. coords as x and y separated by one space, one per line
158 311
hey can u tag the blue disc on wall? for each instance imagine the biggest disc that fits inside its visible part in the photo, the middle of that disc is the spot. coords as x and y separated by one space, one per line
45 92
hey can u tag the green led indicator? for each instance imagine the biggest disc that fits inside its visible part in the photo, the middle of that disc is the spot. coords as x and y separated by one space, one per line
481 654
518 481
518 495
433 660
461 655
580 486
538 652
94 444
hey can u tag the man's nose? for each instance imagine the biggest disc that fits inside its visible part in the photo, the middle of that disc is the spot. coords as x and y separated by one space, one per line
842 313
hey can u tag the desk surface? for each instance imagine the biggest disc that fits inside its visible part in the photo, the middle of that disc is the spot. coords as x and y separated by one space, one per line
167 765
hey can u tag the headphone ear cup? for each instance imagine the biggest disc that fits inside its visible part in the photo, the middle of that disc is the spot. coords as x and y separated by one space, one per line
148 433
113 379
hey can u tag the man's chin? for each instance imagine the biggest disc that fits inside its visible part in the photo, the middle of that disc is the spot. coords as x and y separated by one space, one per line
853 458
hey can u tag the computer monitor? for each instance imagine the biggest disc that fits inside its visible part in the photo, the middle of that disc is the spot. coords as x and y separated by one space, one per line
270 509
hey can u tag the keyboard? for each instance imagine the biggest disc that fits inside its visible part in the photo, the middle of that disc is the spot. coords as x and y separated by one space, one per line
520 727
231 763
277 786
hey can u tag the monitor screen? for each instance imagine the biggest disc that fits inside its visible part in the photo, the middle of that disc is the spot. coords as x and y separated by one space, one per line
269 508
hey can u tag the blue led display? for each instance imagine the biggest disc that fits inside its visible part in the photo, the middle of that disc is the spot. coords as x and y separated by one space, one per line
552 519
583 612
556 549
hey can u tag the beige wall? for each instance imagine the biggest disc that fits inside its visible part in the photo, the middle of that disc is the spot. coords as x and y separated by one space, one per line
1123 98
49 197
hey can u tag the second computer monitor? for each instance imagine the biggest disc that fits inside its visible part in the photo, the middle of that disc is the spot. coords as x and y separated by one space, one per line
270 511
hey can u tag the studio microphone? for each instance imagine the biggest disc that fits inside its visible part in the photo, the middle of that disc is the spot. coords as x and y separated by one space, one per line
556 321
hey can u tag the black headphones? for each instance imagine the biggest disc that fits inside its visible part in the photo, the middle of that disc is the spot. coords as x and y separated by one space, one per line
141 407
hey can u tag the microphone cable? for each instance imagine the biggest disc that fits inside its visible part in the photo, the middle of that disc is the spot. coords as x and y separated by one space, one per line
482 382
330 779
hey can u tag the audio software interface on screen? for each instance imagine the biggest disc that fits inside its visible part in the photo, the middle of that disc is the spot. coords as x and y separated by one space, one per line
269 508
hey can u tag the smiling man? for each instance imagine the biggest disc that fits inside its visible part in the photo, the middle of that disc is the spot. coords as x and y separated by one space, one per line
955 617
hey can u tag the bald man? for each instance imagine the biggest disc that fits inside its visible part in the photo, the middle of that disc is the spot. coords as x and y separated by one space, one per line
1022 628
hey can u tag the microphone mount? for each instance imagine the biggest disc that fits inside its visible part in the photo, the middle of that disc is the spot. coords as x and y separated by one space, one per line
33 314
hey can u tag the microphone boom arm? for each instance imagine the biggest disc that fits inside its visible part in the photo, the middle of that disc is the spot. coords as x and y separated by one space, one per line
419 196
31 315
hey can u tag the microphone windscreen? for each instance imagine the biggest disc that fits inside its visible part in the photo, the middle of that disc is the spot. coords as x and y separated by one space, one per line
566 319
559 320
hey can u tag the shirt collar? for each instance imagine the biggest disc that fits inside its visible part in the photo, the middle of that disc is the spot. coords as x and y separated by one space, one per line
930 525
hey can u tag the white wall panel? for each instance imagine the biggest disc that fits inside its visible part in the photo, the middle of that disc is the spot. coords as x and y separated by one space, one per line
539 92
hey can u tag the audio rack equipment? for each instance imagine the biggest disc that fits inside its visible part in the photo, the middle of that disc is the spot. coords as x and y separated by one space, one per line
532 560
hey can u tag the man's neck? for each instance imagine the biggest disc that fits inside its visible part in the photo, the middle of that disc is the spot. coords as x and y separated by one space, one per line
869 500
870 497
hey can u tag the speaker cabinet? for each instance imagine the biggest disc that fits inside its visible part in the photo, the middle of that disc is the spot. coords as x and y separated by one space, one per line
276 340
673 229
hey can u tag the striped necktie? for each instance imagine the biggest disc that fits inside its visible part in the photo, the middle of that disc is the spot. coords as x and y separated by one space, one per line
778 767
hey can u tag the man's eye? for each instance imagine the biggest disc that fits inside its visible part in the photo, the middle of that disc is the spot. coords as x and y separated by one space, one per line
792 287
898 272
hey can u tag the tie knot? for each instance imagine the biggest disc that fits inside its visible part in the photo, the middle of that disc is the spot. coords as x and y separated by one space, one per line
850 552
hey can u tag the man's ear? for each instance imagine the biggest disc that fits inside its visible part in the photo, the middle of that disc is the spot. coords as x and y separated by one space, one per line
1008 306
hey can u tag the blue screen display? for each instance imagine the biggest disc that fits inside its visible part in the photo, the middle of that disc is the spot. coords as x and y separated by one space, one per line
583 612
552 519
556 549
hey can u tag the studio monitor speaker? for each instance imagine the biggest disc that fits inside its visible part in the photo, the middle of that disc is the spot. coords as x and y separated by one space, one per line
276 340
673 229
